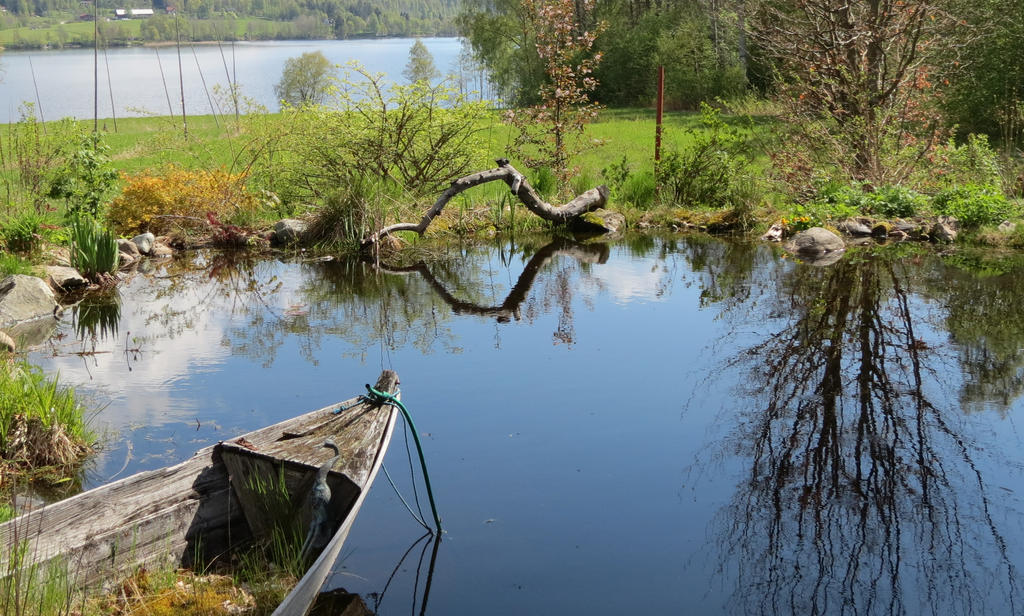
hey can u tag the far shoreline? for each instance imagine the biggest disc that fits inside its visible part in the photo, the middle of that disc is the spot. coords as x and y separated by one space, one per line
162 44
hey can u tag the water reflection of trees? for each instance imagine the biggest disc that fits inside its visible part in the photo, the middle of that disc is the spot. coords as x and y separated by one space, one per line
983 295
861 496
372 306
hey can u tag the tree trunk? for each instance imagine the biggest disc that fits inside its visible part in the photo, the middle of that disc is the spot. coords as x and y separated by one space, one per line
589 200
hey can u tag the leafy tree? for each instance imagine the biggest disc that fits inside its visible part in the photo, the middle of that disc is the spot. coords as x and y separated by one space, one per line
986 89
501 37
858 75
700 42
306 79
421 64
550 133
87 180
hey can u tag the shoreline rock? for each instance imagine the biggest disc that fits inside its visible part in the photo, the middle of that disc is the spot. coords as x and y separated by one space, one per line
25 298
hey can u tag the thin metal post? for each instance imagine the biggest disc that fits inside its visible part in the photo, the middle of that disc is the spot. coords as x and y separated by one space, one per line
660 111
95 66
181 76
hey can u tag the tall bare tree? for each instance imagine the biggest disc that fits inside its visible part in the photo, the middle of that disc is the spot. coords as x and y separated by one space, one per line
861 71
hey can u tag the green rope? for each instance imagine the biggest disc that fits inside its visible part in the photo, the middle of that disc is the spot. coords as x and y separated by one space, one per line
381 397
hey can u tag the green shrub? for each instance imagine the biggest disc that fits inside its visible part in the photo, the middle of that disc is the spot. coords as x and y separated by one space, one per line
897 202
419 136
616 174
86 180
974 205
93 248
13 264
349 211
636 189
840 201
543 181
707 171
23 234
972 162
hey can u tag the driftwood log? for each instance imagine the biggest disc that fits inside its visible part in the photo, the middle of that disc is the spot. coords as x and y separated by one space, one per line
517 182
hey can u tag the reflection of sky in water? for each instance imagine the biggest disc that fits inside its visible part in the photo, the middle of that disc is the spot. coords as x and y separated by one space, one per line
585 457
632 280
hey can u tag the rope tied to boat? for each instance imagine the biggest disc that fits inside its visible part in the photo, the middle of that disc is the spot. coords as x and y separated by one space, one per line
374 396
380 397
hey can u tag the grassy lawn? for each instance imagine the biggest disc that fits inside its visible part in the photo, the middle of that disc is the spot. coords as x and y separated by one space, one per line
72 32
146 146
148 143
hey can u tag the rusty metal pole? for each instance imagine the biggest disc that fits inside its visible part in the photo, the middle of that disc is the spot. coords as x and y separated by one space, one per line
660 111
657 130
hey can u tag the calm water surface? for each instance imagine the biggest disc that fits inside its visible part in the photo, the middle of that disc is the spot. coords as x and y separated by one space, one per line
145 80
659 426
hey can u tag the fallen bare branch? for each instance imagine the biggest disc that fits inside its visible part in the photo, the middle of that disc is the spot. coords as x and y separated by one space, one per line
520 186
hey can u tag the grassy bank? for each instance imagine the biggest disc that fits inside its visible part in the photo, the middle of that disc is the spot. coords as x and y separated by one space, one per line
266 152
44 436
352 171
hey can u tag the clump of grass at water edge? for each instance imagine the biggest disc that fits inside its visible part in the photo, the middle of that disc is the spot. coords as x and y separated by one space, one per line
43 427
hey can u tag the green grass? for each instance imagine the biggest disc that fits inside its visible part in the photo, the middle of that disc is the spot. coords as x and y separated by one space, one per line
11 264
43 428
28 588
37 35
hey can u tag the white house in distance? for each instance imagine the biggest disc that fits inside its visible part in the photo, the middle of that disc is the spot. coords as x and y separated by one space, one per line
132 13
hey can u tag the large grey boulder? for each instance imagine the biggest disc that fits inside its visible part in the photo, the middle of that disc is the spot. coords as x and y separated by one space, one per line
64 279
144 242
25 298
815 242
288 231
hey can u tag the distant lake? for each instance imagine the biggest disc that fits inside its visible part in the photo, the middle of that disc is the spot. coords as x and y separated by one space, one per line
65 77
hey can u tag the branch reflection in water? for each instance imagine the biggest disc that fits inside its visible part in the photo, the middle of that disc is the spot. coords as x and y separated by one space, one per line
339 601
861 496
511 307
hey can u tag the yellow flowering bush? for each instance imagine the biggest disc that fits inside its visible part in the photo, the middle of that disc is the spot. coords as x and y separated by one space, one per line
179 198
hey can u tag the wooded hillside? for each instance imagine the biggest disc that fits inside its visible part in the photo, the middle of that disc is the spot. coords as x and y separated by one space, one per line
53 22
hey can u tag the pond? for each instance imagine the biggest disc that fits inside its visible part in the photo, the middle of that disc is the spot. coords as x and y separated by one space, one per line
140 81
658 425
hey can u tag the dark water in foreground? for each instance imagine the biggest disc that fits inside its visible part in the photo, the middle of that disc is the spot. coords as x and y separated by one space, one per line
661 426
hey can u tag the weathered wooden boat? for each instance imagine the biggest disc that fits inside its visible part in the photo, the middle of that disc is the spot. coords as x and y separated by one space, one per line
225 497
